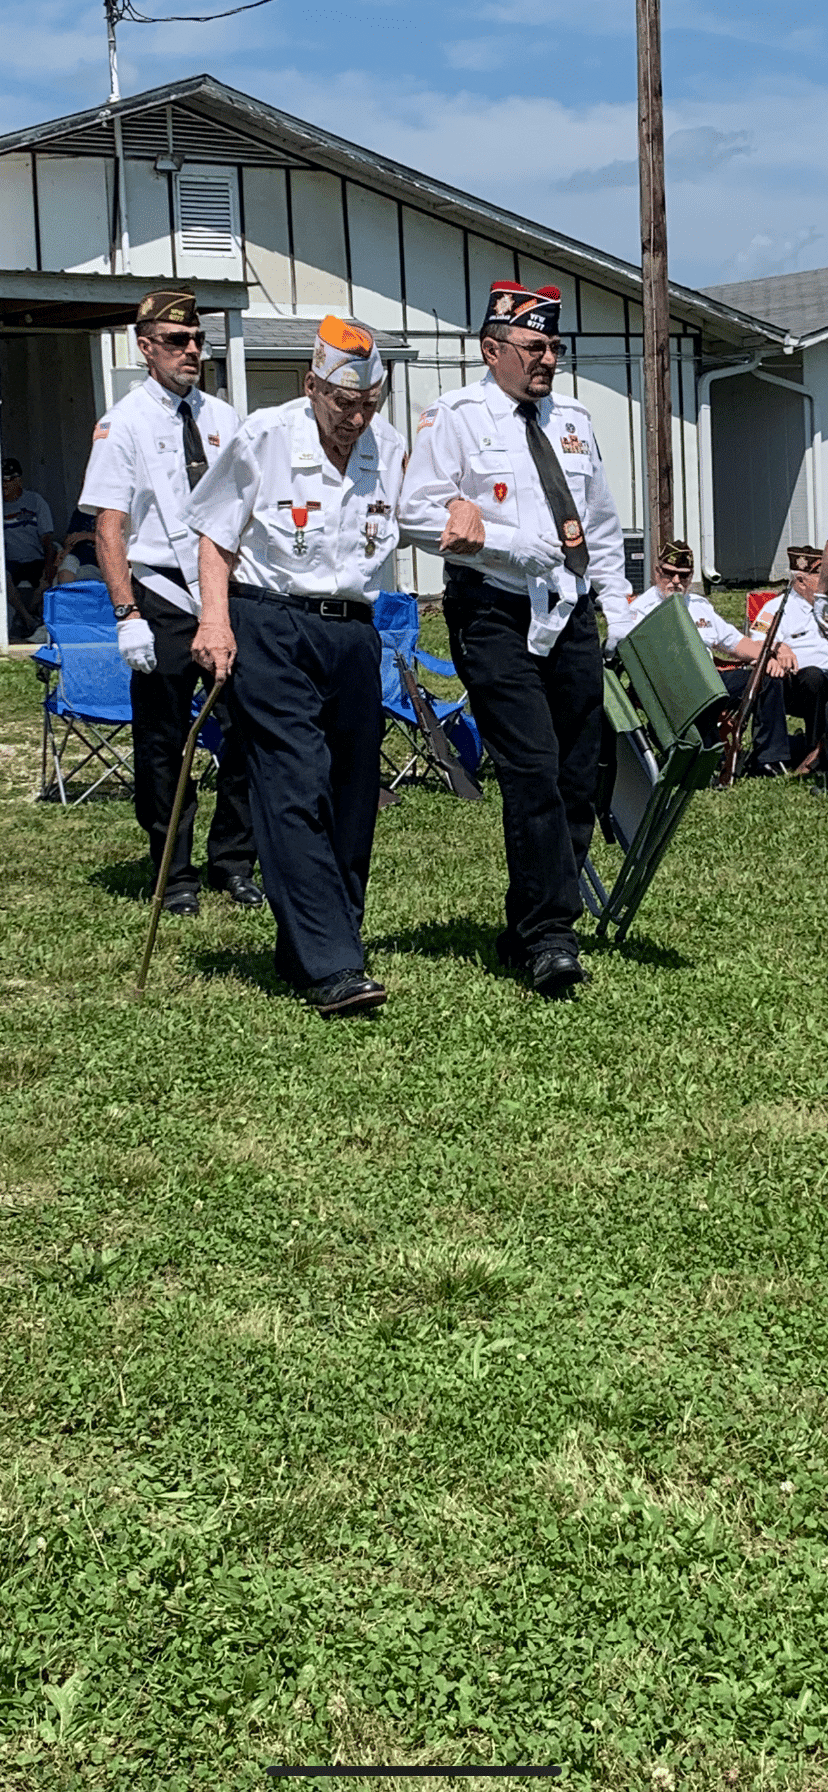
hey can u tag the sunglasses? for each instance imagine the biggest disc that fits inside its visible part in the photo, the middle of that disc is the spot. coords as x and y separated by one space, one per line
181 339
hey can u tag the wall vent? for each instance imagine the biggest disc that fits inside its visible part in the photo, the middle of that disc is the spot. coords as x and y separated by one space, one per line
206 220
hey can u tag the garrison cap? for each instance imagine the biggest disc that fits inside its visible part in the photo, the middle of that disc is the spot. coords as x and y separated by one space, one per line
805 559
167 308
510 303
345 354
676 556
12 468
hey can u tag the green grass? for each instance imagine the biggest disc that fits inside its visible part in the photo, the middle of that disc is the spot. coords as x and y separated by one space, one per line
442 1388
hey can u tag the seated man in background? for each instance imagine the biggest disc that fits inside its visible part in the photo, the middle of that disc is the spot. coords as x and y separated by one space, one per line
29 548
672 574
77 558
806 690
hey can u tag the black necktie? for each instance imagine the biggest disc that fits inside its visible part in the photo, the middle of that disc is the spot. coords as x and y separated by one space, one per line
194 456
556 491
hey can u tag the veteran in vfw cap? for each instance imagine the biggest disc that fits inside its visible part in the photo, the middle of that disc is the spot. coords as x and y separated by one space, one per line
506 483
148 452
298 519
800 628
672 577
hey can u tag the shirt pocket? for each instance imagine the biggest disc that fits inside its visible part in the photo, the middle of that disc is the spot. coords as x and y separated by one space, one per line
490 483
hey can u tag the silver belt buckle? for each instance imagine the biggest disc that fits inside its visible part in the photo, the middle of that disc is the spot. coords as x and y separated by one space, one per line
333 606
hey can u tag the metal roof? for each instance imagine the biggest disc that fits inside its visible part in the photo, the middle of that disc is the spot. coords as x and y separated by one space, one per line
795 302
292 338
266 134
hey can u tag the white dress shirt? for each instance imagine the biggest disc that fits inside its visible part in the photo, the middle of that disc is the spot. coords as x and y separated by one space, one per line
714 631
798 628
274 466
146 426
472 444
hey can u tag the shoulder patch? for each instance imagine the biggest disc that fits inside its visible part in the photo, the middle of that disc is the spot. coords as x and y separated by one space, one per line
101 430
427 418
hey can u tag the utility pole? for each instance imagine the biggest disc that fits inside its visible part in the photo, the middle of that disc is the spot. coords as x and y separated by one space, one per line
657 396
111 12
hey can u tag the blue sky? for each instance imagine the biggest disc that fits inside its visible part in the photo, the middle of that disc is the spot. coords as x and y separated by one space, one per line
529 103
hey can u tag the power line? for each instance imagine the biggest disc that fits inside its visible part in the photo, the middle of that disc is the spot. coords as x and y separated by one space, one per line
124 9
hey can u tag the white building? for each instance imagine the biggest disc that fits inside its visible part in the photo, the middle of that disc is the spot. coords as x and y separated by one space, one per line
276 222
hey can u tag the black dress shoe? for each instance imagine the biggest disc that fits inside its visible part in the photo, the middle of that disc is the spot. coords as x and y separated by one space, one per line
243 891
346 992
181 902
555 971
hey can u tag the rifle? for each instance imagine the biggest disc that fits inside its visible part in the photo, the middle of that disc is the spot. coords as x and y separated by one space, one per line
732 727
458 779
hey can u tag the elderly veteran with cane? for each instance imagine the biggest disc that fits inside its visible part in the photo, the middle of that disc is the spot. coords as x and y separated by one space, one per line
298 518
148 453
506 482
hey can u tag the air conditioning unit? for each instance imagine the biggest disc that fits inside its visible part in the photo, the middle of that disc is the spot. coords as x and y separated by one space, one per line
634 559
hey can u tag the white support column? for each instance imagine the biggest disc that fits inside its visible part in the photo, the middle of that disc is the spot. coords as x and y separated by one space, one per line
236 372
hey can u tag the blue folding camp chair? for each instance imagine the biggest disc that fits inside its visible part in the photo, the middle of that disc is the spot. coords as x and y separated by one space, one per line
439 736
86 706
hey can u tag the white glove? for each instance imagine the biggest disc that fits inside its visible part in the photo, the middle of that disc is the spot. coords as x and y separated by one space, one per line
136 644
538 555
821 615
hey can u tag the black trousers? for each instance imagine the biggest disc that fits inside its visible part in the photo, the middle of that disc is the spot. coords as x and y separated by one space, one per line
309 701
806 695
161 721
540 720
771 745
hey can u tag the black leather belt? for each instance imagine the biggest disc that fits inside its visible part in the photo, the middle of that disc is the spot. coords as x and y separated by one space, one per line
337 609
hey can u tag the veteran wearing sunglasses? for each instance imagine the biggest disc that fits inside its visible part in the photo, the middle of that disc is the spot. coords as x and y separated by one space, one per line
298 519
148 453
506 482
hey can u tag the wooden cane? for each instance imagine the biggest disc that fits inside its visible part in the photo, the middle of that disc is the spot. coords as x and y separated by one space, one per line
161 883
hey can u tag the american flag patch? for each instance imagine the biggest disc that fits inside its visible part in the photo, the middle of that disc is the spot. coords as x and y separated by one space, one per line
100 432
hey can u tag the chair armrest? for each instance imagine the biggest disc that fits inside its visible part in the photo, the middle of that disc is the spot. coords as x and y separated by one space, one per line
443 668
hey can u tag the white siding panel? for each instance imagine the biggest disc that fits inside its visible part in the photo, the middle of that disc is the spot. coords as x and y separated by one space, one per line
18 248
266 237
148 204
73 193
488 261
639 468
601 311
691 508
602 387
435 281
319 244
375 259
545 273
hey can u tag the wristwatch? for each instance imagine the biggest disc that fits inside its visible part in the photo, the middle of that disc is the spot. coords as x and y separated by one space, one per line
122 611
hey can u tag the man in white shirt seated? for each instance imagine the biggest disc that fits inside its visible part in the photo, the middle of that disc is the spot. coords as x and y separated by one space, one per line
806 690
672 574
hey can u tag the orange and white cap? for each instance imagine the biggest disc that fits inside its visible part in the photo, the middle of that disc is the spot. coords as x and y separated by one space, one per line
345 354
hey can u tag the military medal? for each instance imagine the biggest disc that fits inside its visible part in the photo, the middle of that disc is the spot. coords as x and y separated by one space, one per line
371 530
299 512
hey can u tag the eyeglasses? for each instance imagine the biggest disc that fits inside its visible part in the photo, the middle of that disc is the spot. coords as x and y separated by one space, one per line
181 339
533 355
672 572
348 407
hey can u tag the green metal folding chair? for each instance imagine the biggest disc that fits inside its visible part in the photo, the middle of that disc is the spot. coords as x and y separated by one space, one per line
649 782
